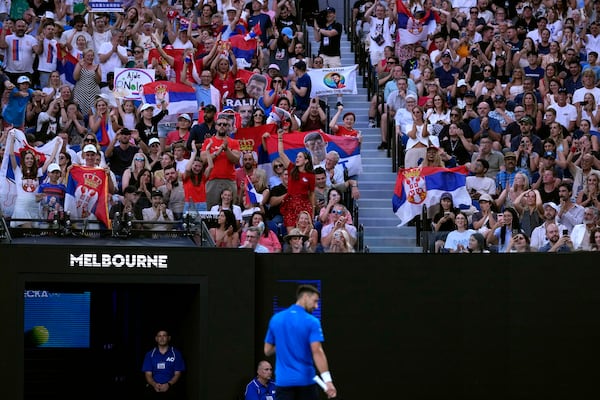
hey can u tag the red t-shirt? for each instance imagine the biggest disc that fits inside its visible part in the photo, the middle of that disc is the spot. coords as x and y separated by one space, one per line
304 184
174 137
223 168
197 193
343 131
224 85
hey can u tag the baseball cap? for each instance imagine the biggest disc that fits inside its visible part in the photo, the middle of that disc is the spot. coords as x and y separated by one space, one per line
526 120
410 96
330 9
553 205
156 193
146 106
499 97
210 108
485 197
274 66
230 8
461 82
90 148
510 154
287 31
153 140
446 54
446 195
185 116
562 90
53 167
490 79
550 154
469 93
23 79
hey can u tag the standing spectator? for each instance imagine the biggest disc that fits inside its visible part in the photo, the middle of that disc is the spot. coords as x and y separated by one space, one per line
88 75
329 38
20 50
120 153
173 192
182 134
225 153
14 112
569 213
47 51
201 131
301 87
112 55
298 350
261 19
380 35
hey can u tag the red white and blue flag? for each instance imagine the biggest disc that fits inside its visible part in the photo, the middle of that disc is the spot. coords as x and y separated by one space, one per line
347 147
179 98
87 194
66 65
244 47
8 190
252 196
416 187
412 30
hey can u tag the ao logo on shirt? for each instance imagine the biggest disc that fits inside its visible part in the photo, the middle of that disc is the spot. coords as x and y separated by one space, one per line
170 359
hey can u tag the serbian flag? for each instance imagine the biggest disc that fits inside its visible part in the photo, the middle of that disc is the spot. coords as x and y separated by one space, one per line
179 98
66 65
8 189
252 196
251 140
317 144
87 194
242 48
412 30
154 54
416 187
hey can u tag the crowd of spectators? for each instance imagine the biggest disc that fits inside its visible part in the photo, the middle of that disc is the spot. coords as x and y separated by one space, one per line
510 90
160 166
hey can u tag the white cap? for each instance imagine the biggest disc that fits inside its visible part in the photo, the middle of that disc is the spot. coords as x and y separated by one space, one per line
274 66
185 116
23 79
49 15
53 167
411 95
146 106
230 8
461 82
553 205
152 141
90 148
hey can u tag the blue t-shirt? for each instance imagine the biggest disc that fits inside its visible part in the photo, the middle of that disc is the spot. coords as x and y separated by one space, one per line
292 331
257 391
163 366
303 102
14 113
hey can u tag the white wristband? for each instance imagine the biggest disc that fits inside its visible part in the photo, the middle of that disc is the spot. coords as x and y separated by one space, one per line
326 376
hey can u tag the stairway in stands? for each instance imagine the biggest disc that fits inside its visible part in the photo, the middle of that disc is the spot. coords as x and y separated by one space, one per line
376 183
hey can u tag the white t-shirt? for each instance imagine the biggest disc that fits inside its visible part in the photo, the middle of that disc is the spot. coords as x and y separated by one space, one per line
19 54
566 114
455 238
49 56
114 61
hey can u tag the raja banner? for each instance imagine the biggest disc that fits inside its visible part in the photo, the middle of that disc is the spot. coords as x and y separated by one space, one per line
129 82
106 6
318 143
416 187
8 189
87 194
330 81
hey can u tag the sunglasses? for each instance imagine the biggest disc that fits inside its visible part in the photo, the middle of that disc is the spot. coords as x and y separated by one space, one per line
391 62
277 80
454 115
278 166
222 124
139 159
259 114
90 140
338 212
154 145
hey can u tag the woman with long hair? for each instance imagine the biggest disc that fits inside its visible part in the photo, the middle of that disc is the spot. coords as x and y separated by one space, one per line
194 181
88 76
276 90
486 217
131 174
52 90
555 55
417 74
305 226
267 238
418 138
258 117
144 186
505 228
90 138
520 57
588 110
511 193
515 86
259 181
166 159
341 242
552 91
554 25
519 243
561 144
103 122
64 162
224 73
530 105
503 69
595 239
440 113
27 174
480 89
476 244
590 195
527 158
301 185
458 239
551 73
225 235
334 196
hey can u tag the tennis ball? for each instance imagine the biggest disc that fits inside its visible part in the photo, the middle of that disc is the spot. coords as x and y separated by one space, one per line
39 335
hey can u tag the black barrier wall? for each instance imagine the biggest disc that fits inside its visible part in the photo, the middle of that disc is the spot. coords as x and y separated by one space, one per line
205 299
396 326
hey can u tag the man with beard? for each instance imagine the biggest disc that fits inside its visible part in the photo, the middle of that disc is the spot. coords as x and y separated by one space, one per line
173 193
569 213
539 235
556 243
581 233
204 130
244 173
225 153
21 49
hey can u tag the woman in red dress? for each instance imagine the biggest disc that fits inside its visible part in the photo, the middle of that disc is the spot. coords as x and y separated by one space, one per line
301 186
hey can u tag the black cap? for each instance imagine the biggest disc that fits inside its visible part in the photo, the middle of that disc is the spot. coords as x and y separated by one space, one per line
210 108
490 79
499 97
130 189
469 93
446 54
156 193
526 120
550 154
562 90
330 9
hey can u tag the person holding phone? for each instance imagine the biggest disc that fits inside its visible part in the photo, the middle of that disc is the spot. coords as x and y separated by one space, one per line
557 243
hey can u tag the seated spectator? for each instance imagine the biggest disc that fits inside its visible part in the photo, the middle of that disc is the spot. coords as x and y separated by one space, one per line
267 238
341 242
532 214
295 242
484 219
457 240
334 196
569 214
252 241
225 235
131 176
259 181
128 204
556 243
538 236
341 220
226 203
476 244
494 158
505 227
480 183
581 233
595 239
519 243
305 226
590 195
158 212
